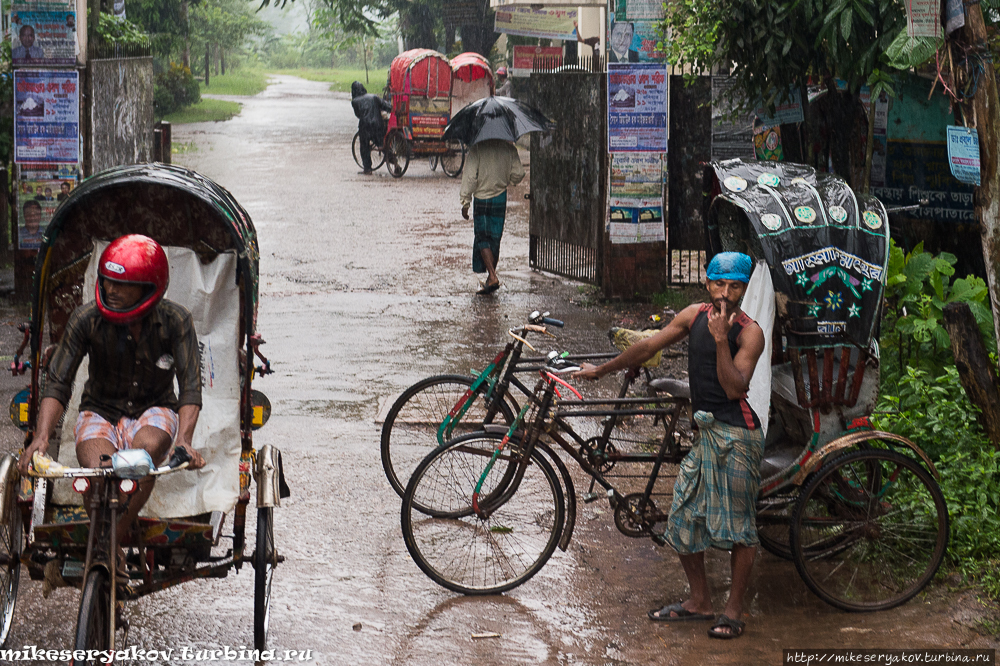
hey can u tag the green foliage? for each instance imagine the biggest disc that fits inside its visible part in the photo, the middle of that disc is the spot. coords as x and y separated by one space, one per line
970 481
245 81
918 286
6 107
907 52
115 30
207 110
174 89
933 411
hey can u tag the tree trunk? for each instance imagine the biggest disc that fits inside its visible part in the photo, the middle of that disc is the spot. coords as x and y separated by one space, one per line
208 61
869 146
974 368
987 201
187 36
222 59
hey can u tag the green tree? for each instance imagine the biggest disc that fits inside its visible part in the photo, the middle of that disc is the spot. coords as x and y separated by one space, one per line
225 25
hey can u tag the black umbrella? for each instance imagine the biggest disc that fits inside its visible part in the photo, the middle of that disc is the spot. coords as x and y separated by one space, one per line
495 118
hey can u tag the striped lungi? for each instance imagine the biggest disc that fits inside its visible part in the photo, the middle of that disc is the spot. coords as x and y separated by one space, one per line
487 222
715 496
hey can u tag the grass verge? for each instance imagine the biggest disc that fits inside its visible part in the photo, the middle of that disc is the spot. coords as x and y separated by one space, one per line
243 81
206 110
340 79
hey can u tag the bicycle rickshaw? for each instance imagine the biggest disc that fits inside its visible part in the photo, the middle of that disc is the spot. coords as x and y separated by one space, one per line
471 79
212 250
857 510
420 85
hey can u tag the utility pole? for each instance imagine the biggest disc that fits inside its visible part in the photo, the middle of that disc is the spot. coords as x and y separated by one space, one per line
986 118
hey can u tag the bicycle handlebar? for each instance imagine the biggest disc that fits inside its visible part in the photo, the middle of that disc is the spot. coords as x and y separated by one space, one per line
45 467
553 322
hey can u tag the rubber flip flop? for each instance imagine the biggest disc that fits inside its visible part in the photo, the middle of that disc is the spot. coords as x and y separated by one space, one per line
676 613
488 289
736 627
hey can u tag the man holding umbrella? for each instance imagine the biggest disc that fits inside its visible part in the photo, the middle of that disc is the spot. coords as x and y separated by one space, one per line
491 126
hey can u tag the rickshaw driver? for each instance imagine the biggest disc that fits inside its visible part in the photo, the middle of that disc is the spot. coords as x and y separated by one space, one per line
137 343
716 489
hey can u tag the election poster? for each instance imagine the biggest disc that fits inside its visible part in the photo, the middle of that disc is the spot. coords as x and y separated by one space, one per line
636 198
630 10
540 23
963 154
923 18
637 107
46 117
732 133
43 33
40 190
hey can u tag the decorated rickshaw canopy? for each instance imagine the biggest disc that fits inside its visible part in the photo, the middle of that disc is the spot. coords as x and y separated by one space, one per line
827 247
471 67
173 205
420 72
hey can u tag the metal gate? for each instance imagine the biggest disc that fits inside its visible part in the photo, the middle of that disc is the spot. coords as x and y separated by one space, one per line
568 175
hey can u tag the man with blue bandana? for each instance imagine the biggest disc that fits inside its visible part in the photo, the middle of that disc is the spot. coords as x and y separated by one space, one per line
715 494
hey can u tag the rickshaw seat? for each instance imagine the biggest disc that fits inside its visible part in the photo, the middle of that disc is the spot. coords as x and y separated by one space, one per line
814 390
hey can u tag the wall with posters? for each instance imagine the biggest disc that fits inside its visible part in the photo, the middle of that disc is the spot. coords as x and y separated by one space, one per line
122 112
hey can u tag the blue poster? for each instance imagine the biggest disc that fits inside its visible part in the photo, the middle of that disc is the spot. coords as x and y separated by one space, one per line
43 33
637 107
46 116
963 154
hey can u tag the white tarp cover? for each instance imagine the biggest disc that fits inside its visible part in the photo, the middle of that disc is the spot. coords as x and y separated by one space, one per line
209 291
758 303
463 94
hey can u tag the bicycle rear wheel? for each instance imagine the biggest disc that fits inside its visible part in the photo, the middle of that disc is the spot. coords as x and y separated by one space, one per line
93 624
870 530
263 564
376 152
469 554
410 430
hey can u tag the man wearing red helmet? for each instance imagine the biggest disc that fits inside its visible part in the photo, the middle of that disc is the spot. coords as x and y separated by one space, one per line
137 343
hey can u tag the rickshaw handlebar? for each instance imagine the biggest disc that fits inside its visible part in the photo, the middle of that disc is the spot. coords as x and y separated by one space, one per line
46 468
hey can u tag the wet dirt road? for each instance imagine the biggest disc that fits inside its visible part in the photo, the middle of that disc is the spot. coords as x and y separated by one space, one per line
365 288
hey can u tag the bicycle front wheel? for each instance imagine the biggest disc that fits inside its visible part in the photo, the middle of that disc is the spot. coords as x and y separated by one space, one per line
410 430
93 625
870 530
263 564
473 555
11 545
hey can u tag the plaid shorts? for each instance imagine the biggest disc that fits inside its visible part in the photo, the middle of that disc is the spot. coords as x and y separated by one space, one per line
91 425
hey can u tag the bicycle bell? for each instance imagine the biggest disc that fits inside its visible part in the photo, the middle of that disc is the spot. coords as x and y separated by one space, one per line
131 463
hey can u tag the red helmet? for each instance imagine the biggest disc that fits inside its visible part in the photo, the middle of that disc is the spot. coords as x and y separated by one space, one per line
501 71
133 259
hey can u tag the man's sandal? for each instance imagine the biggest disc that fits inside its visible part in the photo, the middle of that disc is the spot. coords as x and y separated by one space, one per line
735 628
676 613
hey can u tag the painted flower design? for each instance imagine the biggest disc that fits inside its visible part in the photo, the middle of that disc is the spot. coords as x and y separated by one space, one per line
854 310
834 300
801 279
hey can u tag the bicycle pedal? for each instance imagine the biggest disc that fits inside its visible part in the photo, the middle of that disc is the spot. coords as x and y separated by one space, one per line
590 497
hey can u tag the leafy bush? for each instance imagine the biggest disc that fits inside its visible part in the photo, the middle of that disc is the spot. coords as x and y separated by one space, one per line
117 30
174 89
970 481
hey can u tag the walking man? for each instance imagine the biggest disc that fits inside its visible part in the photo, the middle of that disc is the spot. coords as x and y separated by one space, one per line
368 108
490 167
716 490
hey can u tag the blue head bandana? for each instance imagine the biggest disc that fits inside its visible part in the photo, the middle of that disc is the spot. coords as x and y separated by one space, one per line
730 266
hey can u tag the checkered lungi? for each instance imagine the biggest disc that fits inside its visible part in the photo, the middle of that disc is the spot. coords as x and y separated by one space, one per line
487 221
91 425
715 496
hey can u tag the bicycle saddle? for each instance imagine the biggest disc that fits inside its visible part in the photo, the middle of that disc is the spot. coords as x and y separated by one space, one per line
679 388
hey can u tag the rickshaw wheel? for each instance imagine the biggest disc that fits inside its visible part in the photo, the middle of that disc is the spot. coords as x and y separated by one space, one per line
263 563
434 160
397 153
453 161
94 621
870 530
377 157
11 544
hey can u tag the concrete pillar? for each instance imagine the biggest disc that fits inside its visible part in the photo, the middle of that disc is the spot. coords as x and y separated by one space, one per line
589 24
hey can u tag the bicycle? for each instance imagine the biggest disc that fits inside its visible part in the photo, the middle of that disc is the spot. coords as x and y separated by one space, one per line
868 532
378 158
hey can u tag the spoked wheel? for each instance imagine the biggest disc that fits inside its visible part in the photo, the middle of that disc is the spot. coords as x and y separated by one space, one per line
870 530
411 427
377 157
774 520
93 624
397 153
433 160
264 562
473 555
453 161
11 544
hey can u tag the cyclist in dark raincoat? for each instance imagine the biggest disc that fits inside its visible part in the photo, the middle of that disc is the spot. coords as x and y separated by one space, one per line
368 108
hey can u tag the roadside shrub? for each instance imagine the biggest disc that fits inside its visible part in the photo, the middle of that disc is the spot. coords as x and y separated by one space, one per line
117 30
174 89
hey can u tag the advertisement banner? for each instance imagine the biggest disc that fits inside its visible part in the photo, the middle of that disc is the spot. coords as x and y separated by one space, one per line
540 23
923 18
637 108
40 190
46 117
633 41
963 154
43 33
526 57
732 136
629 10
636 198
787 110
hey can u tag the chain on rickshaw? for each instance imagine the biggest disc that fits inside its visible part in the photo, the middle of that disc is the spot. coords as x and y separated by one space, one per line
858 510
194 524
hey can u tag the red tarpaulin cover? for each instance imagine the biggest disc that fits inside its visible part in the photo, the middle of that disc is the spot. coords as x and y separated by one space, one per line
471 66
421 72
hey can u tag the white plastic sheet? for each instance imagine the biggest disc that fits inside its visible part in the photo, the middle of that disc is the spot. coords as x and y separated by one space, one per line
209 291
758 303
